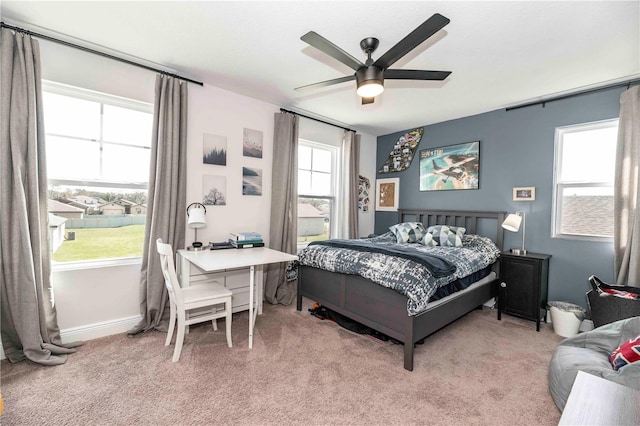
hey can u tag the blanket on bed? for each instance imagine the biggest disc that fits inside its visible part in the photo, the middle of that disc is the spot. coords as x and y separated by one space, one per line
405 276
438 266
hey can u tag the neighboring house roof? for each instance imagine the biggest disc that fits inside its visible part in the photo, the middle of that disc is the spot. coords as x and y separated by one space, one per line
114 204
307 210
123 202
582 212
55 221
85 199
58 207
73 203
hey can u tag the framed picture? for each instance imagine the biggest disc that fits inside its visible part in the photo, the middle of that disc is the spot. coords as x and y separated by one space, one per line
450 167
252 143
251 181
214 190
387 194
214 149
524 193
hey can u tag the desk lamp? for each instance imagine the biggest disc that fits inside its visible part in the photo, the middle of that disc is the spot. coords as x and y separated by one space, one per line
512 223
196 220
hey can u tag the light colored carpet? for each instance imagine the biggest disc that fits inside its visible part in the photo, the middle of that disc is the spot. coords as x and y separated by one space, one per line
301 370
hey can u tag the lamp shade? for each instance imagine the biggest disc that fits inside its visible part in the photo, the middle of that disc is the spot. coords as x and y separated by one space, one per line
197 218
512 222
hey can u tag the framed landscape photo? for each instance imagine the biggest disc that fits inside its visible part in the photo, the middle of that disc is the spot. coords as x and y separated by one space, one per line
387 194
252 143
450 167
524 193
214 149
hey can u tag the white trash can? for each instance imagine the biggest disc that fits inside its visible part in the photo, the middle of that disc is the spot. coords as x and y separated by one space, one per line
566 318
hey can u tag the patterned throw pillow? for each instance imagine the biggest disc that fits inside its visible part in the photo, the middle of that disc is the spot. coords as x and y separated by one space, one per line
427 240
408 232
447 236
626 353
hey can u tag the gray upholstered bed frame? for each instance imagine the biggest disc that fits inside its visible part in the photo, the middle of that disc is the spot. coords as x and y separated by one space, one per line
384 309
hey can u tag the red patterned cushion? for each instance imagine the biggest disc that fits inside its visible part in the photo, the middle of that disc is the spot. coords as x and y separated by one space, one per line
626 353
620 293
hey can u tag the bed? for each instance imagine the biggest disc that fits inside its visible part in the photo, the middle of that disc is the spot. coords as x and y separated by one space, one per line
385 310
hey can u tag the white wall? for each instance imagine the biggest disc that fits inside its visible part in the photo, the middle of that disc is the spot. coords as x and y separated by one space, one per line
219 112
100 301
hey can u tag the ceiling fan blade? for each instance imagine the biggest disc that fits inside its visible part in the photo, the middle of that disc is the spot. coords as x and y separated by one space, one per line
366 101
327 83
324 45
411 41
415 75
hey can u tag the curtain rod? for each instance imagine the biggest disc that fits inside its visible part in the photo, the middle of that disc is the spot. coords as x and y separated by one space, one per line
316 119
106 55
627 83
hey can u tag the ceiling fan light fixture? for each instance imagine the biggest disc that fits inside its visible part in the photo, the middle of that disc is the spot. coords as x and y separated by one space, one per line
370 82
370 89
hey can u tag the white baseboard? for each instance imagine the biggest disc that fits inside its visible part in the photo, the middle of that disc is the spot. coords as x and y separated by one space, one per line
94 331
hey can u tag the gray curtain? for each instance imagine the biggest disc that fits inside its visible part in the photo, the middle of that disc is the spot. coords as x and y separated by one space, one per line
29 321
167 198
354 171
627 191
284 206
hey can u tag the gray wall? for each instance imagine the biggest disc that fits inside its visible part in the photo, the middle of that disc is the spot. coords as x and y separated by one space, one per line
516 149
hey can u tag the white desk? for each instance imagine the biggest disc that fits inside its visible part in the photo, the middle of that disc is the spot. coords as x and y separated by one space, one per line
596 401
221 260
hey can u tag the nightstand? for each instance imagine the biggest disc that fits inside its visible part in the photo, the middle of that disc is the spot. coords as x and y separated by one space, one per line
524 280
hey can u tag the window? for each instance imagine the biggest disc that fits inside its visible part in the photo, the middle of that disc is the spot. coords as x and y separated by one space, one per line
98 153
583 180
316 191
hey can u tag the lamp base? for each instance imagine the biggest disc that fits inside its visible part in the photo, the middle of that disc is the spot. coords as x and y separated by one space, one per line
519 252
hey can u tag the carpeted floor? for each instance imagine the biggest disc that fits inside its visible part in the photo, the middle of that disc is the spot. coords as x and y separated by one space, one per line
301 370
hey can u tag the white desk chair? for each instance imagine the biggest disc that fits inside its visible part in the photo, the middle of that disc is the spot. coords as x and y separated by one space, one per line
182 300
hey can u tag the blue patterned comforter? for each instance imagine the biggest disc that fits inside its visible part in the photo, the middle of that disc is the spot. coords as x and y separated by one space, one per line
400 274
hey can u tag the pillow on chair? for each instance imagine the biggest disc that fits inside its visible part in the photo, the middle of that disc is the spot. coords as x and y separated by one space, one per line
627 353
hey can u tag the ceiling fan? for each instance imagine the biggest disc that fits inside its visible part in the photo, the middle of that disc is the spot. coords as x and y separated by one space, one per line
370 75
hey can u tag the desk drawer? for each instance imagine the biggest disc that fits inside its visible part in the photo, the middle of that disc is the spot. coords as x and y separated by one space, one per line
240 298
237 278
213 276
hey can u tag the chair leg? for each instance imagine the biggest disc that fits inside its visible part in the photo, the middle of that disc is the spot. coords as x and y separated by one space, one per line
172 323
227 321
180 338
214 321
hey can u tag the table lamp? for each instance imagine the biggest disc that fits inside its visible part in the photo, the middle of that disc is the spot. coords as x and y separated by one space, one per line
512 223
197 219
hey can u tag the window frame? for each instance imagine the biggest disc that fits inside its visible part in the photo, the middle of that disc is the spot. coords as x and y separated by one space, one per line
103 99
559 186
333 198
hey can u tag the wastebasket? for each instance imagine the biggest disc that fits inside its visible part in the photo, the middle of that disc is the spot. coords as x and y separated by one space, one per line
566 318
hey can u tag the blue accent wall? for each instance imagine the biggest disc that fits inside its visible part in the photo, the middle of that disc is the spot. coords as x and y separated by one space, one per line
516 149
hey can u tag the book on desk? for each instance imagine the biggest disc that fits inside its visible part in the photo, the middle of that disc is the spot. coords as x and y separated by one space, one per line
246 244
246 239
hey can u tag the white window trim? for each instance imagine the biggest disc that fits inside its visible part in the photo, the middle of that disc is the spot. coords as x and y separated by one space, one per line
95 263
92 95
333 226
556 224
103 98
